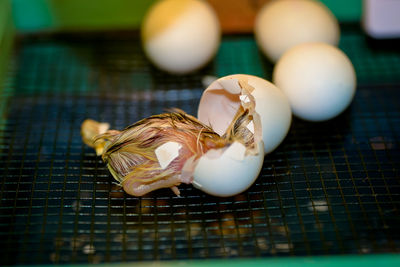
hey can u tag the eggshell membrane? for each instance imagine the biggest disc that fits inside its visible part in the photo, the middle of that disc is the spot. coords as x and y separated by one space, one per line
318 79
280 25
226 175
180 36
218 107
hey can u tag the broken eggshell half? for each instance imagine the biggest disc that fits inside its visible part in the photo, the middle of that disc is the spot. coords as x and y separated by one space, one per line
232 170
229 172
221 100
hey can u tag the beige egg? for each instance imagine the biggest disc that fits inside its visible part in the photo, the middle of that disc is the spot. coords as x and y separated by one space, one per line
180 36
318 79
282 24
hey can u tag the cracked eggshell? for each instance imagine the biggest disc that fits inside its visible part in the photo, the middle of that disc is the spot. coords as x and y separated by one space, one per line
180 36
221 100
229 172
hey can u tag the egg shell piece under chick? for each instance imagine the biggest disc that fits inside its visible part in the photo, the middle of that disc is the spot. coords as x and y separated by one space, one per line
221 100
229 173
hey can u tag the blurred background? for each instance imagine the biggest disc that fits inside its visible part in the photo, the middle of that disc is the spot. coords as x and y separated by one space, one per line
330 189
72 15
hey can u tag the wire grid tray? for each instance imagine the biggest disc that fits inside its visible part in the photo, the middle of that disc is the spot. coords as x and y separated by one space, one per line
330 188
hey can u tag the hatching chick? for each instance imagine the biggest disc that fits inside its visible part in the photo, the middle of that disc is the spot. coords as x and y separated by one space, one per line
131 154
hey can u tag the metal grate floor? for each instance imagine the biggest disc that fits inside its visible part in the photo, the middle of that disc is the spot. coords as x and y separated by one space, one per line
330 188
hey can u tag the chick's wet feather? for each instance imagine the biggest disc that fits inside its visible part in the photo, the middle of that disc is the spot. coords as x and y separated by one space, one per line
130 154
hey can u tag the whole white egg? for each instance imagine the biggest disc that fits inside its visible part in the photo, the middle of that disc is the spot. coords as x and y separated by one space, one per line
180 36
229 172
221 100
282 24
318 79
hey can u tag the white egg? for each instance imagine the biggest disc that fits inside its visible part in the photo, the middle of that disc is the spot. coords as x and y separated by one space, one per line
228 172
280 25
221 100
180 36
318 79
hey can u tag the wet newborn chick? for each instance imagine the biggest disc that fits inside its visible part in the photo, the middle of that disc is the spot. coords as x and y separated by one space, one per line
136 155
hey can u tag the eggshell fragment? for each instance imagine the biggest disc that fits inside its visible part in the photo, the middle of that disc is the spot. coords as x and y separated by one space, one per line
318 79
167 152
282 24
180 36
227 173
221 100
250 126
